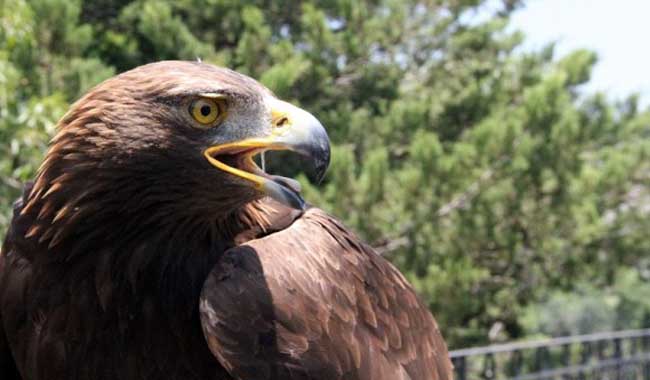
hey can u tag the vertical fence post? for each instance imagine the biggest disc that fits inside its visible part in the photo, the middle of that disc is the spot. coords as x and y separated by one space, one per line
645 343
542 359
566 359
585 358
515 363
460 368
618 355
489 367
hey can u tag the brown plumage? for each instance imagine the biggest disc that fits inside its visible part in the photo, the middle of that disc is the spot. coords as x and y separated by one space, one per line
147 233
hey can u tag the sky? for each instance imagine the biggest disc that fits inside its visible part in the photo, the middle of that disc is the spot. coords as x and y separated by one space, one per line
617 30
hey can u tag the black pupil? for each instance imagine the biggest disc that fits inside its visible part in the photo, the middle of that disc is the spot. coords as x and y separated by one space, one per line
205 110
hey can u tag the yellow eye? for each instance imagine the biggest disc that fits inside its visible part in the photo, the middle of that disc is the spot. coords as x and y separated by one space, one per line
208 112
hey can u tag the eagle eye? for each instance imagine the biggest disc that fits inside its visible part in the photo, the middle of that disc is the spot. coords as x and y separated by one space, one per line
208 112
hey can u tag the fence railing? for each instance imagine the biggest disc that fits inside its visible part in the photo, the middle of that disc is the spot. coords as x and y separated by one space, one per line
620 355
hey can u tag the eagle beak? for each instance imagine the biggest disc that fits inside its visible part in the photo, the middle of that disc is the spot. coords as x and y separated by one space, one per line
292 129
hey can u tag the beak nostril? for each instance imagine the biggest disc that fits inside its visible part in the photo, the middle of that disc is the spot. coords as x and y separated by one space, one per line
281 122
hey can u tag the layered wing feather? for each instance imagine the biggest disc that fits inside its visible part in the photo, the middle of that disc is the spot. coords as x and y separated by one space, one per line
313 302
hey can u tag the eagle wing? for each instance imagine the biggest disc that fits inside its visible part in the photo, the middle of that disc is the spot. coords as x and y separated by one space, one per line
313 302
15 275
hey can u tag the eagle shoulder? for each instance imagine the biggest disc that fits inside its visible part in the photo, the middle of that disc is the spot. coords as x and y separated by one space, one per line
313 302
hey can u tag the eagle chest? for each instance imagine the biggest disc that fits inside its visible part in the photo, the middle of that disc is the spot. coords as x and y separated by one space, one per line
74 327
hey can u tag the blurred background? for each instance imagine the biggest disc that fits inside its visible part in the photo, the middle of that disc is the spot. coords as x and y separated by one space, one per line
496 151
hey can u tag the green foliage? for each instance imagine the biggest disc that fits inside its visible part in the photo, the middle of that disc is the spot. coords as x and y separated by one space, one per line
623 305
479 170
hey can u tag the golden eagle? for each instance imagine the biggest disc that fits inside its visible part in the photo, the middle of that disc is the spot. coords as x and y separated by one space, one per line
149 231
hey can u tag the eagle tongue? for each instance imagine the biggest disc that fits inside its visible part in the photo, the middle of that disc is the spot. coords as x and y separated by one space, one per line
284 190
287 182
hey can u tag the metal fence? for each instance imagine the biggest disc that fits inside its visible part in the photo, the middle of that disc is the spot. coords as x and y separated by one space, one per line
620 355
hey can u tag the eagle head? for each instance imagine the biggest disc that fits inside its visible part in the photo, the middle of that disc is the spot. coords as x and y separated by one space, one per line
170 139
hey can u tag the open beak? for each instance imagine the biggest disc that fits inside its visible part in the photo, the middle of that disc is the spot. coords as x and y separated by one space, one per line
292 129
